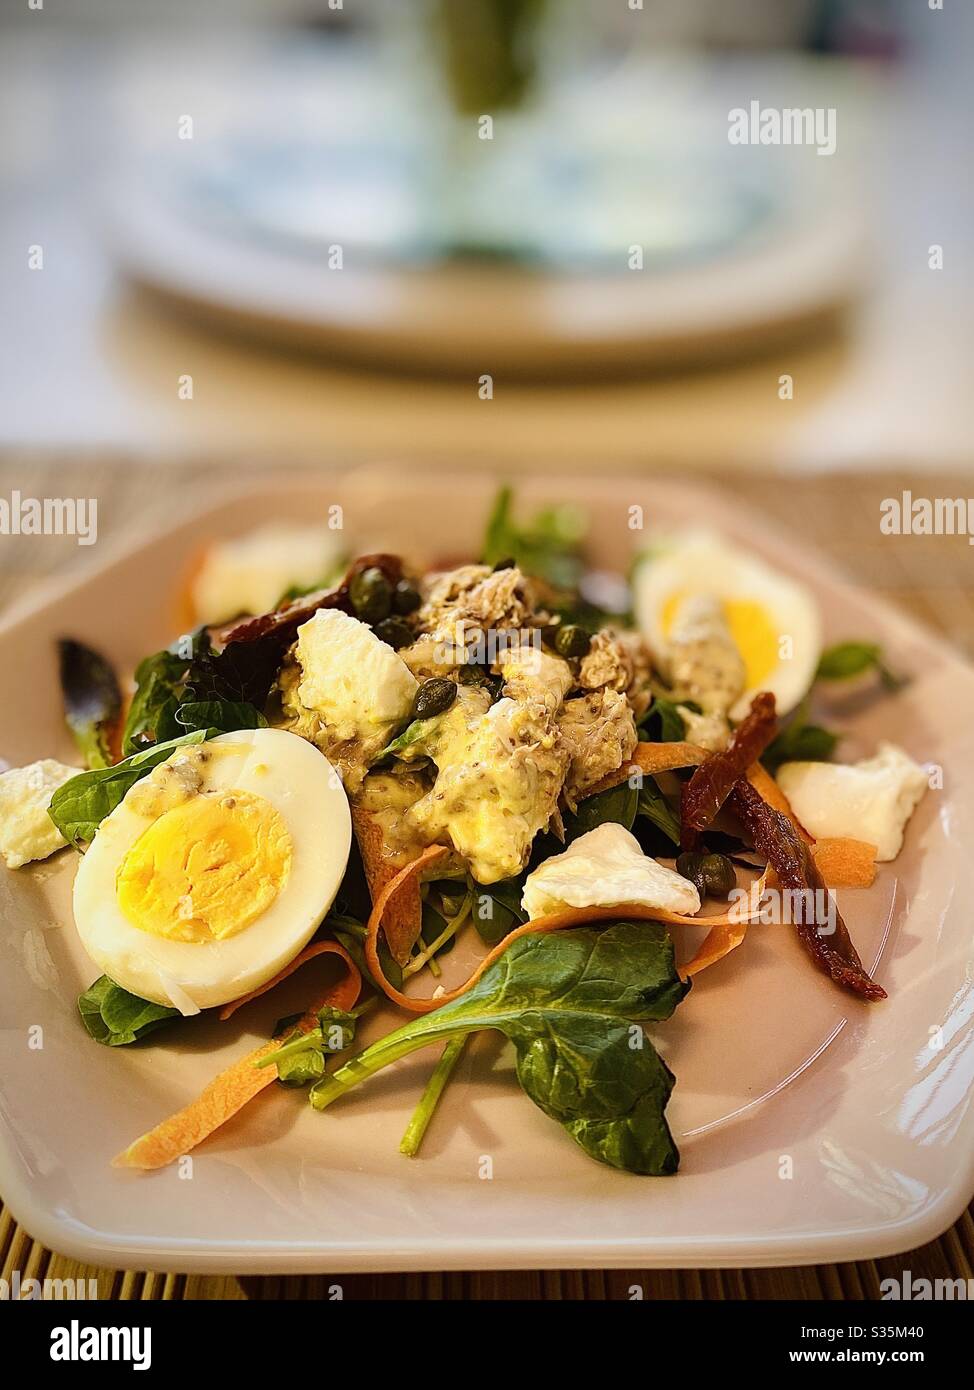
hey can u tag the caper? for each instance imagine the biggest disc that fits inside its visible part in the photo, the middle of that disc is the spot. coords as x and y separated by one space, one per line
433 697
711 874
405 598
395 631
471 674
371 595
688 866
572 640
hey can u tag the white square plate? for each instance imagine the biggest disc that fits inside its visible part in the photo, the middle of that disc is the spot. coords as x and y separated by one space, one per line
811 1127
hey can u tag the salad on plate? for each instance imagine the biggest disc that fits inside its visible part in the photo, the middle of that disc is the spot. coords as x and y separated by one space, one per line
602 781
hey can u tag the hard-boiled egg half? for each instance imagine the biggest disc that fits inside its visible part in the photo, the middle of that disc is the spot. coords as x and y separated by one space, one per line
773 620
215 869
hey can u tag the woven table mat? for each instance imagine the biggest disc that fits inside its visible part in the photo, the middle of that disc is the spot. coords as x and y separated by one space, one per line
931 577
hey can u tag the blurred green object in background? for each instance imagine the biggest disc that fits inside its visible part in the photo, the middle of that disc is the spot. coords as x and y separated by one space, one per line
489 50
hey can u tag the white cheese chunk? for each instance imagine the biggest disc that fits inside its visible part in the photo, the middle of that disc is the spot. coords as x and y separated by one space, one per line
249 574
870 800
604 867
354 681
26 830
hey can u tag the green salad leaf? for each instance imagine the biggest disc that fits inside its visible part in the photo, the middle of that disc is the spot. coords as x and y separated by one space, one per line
800 741
578 611
115 1017
412 737
497 908
433 925
848 659
571 1002
158 694
301 1059
225 715
92 699
618 804
174 686
549 546
663 722
351 933
79 806
624 805
654 806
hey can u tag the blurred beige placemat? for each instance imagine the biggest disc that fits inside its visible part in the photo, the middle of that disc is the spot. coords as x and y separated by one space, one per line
932 577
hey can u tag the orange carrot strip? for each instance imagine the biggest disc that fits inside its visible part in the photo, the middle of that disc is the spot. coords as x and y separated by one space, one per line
228 1092
400 889
727 936
650 758
317 948
845 863
726 931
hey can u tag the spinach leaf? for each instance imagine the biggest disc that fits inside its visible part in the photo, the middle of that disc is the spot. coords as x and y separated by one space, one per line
411 737
225 715
848 659
800 741
654 806
578 611
80 806
618 804
353 901
570 1002
497 908
663 722
433 925
92 699
114 1017
301 1059
351 935
158 694
548 547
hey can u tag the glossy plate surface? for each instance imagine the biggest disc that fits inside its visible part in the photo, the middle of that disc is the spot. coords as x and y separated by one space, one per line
811 1128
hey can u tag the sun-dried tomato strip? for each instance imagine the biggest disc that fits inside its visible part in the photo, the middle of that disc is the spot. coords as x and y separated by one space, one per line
713 781
284 622
827 941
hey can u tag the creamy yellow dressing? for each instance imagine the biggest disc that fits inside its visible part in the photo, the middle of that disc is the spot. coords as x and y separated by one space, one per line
387 797
499 772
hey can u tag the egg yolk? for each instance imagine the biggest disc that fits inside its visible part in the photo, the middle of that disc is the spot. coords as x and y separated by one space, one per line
205 869
754 634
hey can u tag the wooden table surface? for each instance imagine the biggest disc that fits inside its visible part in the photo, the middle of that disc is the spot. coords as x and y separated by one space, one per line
932 577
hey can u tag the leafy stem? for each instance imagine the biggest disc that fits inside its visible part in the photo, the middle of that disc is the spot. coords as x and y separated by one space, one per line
426 955
392 1048
419 1123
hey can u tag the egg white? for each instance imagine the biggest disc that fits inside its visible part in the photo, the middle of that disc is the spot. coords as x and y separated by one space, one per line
306 791
701 562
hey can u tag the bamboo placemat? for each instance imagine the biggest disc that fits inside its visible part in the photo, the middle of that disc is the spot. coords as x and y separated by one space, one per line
932 577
